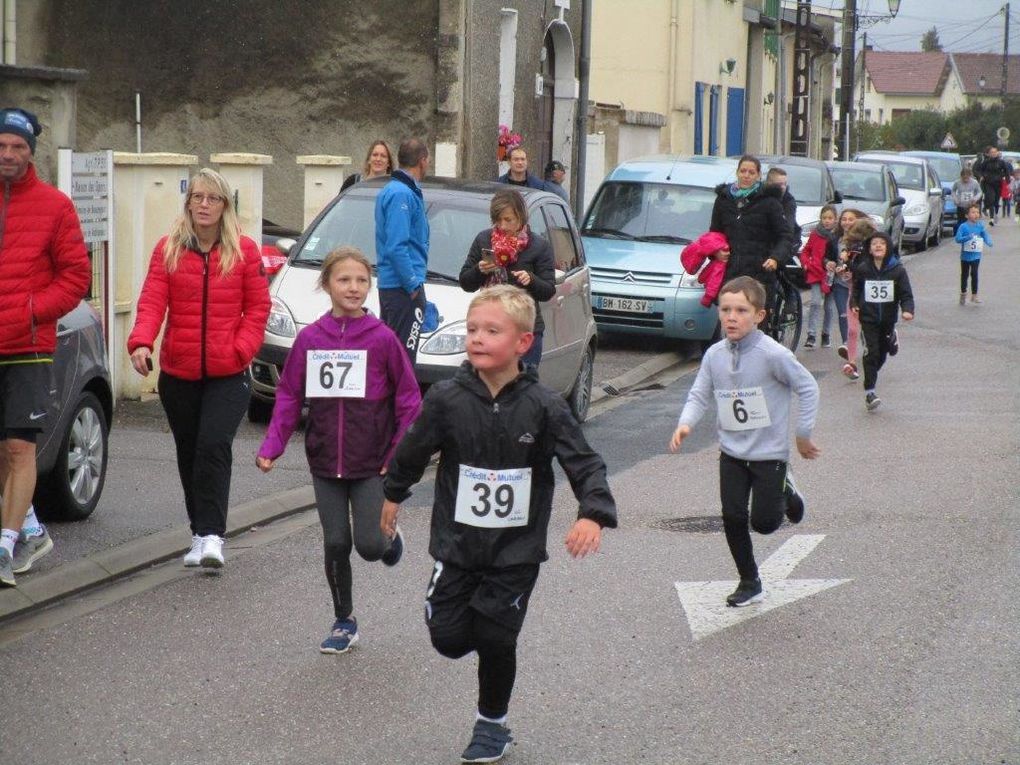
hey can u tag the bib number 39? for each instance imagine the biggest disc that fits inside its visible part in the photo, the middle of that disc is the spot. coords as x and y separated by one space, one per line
493 499
336 374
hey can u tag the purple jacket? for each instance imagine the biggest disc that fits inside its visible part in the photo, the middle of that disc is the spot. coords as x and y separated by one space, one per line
347 437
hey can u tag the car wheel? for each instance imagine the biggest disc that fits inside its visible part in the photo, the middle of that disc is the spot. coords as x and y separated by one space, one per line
259 411
580 396
71 492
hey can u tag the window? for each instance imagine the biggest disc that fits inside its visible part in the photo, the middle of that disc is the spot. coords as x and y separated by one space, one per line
562 241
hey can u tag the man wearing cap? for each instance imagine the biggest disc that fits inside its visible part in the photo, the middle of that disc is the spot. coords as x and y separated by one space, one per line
44 273
555 172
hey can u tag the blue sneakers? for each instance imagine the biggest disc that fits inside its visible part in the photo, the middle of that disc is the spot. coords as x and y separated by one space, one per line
343 635
395 551
489 742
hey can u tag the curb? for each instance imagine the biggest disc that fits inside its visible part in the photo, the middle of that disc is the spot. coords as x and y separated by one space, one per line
38 590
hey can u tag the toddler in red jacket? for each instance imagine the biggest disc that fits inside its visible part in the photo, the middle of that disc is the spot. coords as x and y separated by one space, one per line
714 247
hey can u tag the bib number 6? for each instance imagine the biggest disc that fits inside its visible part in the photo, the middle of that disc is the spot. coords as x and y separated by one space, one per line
739 411
500 501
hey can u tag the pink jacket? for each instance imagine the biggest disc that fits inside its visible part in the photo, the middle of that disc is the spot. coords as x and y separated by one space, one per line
712 275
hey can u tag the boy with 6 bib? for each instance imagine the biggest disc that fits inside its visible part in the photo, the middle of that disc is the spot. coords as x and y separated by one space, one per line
497 430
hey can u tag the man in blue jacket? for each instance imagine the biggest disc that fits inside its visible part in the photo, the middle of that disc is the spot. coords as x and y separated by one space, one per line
518 174
402 245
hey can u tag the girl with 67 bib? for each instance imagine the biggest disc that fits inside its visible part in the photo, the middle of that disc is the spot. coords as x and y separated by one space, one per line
362 396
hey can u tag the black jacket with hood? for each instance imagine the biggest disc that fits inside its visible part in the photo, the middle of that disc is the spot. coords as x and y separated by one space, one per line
757 230
864 270
525 425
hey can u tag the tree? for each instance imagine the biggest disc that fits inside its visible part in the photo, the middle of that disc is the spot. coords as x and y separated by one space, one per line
930 40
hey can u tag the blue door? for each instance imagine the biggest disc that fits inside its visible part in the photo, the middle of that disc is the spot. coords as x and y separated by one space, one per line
734 121
713 119
699 117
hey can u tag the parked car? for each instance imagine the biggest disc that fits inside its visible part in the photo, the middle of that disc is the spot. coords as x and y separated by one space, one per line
457 211
811 184
71 453
634 231
919 184
871 188
948 166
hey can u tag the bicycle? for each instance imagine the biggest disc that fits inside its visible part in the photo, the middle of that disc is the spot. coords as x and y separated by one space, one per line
786 314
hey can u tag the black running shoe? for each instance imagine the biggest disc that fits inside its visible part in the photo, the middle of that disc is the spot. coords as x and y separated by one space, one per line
747 592
794 499
894 343
489 742
826 341
395 551
872 401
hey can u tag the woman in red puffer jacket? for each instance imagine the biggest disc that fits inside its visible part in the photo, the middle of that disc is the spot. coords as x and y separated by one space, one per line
207 281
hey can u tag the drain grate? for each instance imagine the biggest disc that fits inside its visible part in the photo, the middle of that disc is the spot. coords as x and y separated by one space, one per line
697 524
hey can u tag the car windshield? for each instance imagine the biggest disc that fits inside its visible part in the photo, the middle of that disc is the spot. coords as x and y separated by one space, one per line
946 167
662 212
453 225
863 185
804 183
908 176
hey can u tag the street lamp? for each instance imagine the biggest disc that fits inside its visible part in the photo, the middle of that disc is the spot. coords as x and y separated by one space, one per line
853 21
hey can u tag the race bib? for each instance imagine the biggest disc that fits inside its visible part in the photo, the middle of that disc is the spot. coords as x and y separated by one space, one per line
966 196
336 374
974 244
878 291
493 499
742 409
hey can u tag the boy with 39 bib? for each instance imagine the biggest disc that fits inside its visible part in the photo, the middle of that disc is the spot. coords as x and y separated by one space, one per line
751 377
497 430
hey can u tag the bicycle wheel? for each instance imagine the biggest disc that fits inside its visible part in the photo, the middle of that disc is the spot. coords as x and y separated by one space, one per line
788 318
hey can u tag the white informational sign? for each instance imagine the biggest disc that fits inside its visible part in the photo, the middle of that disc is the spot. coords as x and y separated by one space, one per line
493 499
90 192
336 374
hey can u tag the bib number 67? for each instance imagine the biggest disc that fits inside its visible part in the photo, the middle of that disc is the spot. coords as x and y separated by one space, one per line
326 377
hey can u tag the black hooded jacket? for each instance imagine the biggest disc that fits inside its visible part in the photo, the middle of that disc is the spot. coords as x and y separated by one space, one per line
524 426
756 228
869 278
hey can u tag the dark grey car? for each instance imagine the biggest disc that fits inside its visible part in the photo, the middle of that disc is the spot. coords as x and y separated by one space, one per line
72 452
871 188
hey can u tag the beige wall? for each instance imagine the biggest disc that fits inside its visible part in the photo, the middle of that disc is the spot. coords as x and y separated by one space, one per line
882 105
632 63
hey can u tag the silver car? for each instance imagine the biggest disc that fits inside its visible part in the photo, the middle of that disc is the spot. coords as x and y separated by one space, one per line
72 451
457 211
919 184
872 189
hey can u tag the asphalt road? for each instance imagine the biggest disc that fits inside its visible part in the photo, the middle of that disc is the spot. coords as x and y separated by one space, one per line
913 656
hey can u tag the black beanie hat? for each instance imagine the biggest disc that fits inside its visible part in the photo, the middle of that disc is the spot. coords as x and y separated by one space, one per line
22 123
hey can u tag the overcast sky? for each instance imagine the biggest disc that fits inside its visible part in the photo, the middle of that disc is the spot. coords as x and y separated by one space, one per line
963 25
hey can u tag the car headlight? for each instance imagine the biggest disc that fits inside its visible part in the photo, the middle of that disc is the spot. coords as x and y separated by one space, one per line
878 220
447 341
281 322
918 208
689 281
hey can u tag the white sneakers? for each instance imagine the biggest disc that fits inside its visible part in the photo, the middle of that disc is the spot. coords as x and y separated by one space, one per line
193 557
206 552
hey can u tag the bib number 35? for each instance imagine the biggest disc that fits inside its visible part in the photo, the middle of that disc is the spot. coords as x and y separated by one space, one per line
878 291
493 499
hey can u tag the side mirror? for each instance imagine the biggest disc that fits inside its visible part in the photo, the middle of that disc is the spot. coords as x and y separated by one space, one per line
935 192
560 276
285 245
836 197
899 202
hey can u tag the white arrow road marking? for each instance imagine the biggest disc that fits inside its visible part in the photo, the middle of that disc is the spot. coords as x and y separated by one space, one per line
705 602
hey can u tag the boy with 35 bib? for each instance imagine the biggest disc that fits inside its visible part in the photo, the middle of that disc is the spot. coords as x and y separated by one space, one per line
752 379
497 430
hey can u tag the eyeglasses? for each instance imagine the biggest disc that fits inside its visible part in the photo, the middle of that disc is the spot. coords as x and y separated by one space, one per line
213 199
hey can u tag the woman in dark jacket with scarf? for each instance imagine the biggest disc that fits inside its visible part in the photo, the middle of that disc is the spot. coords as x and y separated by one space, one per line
750 214
510 253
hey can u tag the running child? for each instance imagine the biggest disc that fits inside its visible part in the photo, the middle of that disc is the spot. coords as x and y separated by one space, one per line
972 236
839 294
881 288
752 378
966 192
362 396
851 249
496 429
821 244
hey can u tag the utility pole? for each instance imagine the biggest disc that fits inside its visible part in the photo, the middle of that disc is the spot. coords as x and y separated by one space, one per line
846 100
801 80
864 87
1005 55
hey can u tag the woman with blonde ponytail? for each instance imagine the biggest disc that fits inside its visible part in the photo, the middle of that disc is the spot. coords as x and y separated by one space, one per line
206 280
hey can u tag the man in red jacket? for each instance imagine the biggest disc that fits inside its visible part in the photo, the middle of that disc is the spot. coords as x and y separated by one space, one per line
44 272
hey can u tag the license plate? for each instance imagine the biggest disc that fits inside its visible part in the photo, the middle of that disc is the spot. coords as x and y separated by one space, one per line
630 305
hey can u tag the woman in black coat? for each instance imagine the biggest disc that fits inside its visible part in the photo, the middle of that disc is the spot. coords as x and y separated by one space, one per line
750 215
510 253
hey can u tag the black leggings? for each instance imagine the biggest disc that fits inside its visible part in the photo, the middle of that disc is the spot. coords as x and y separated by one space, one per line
204 416
762 482
969 268
339 502
876 339
991 198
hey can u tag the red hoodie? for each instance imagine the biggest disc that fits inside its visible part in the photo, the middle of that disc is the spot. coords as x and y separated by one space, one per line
812 257
713 274
215 323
